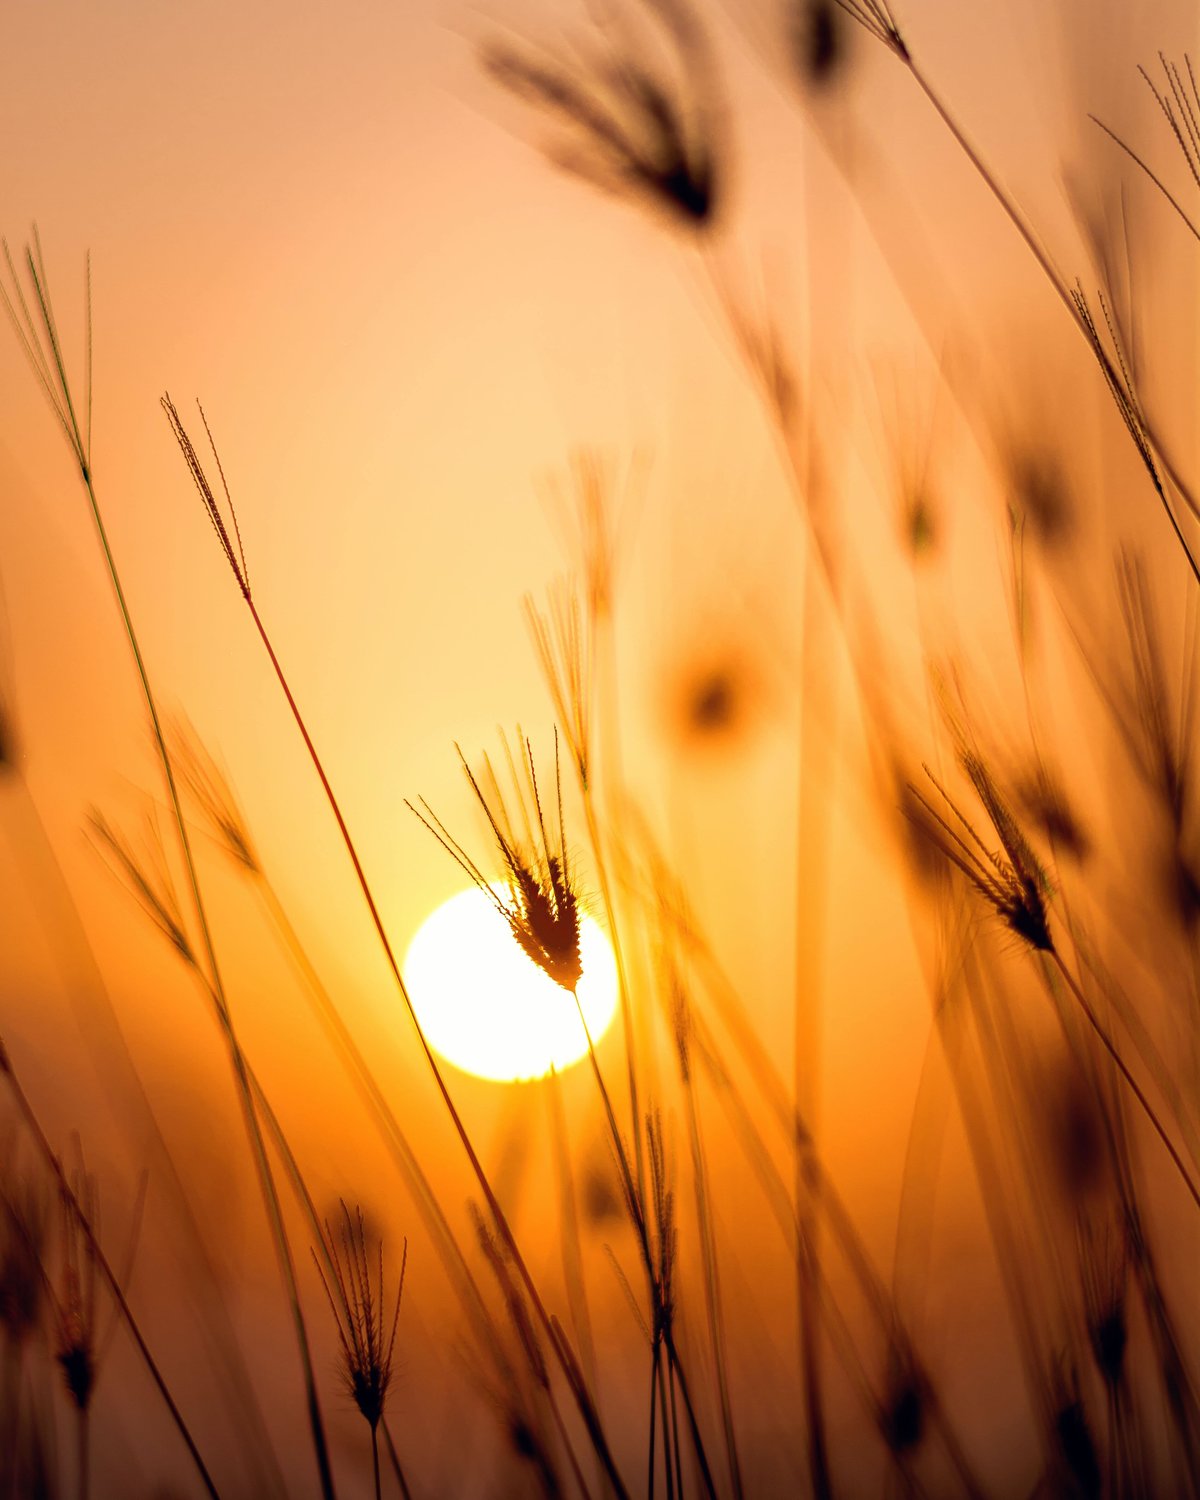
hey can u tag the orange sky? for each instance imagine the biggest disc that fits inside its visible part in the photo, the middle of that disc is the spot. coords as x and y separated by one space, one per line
401 320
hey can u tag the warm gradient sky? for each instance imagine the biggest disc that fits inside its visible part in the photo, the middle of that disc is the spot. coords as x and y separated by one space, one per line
400 320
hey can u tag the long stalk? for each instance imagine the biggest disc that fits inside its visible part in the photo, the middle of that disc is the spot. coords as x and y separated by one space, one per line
572 1255
610 912
1061 290
553 1331
101 1027
26 1111
395 1141
637 1213
712 1282
58 386
653 1421
667 1447
1123 1068
82 1451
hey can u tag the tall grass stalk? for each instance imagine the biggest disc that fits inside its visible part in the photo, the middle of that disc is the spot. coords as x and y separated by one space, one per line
708 1239
108 1050
101 1262
50 370
876 17
554 1334
565 652
218 807
636 1206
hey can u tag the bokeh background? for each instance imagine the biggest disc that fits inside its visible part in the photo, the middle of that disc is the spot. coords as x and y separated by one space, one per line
403 323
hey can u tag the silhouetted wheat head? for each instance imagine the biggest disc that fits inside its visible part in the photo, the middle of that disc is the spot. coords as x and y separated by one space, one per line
957 767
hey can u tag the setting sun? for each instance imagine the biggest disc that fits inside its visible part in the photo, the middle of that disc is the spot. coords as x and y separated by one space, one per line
487 1008
729 467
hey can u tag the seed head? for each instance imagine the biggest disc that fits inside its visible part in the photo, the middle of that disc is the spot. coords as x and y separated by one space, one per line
147 876
1075 1447
1180 106
1011 880
542 907
76 1334
22 1241
1045 803
1074 1131
631 124
500 1262
210 790
875 16
819 40
228 534
1104 1262
358 1311
902 1418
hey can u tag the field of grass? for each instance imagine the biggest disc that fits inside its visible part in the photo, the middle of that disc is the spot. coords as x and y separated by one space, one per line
855 705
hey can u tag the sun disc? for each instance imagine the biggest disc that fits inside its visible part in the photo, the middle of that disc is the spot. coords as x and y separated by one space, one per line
485 1006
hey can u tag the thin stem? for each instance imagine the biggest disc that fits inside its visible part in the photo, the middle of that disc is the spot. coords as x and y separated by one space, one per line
394 1139
572 1256
258 1148
25 1109
395 1458
637 1213
668 1471
1059 286
606 897
553 1332
82 1453
712 1283
99 1024
675 1432
1122 1067
80 447
632 1196
375 1460
676 1366
815 772
653 1420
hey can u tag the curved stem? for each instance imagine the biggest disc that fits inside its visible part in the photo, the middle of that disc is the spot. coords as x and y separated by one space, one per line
1063 292
557 1339
638 1215
34 1127
82 1453
258 1147
1122 1067
53 377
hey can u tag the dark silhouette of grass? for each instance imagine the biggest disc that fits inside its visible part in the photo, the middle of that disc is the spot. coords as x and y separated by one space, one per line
1059 950
564 1354
367 1341
98 1259
39 338
542 911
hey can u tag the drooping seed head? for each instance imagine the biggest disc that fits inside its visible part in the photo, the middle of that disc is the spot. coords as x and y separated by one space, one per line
1105 1266
1075 1448
903 1411
630 123
76 1334
819 40
1011 880
357 1303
